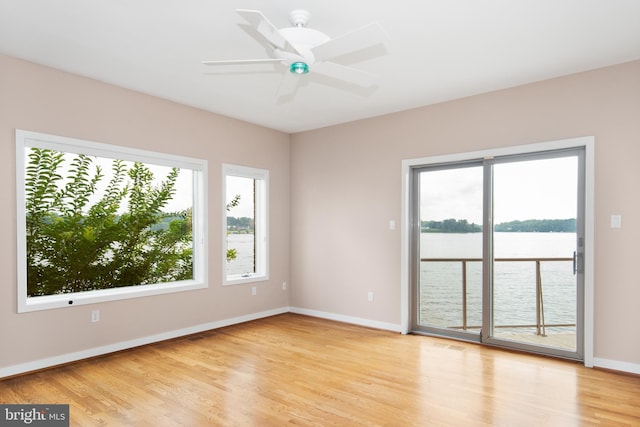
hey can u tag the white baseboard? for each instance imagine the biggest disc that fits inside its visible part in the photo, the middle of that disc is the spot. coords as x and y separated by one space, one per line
347 319
615 365
98 351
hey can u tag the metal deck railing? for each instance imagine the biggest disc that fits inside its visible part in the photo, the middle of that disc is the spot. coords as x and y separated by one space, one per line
540 320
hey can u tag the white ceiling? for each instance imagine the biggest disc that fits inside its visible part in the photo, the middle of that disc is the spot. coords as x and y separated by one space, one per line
437 50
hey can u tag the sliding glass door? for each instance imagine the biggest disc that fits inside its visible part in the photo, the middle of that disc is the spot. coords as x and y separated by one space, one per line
498 251
449 295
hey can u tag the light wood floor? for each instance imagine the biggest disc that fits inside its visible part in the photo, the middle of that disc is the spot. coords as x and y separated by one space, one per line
297 370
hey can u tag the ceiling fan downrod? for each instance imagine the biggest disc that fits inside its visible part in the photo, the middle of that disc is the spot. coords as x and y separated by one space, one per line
299 18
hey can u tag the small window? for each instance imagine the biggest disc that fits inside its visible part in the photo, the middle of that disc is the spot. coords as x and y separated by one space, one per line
245 243
99 222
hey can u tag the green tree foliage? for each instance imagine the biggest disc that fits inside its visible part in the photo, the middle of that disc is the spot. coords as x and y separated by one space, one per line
539 225
75 243
530 225
232 253
242 225
450 226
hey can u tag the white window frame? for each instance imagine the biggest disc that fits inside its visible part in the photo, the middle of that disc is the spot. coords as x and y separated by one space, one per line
261 225
25 139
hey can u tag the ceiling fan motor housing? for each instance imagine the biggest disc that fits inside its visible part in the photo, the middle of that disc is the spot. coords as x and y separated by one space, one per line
303 40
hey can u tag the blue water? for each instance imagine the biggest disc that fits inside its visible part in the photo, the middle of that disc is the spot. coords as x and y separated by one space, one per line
514 291
244 262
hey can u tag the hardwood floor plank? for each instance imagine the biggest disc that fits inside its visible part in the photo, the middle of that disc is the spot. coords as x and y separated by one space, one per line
297 370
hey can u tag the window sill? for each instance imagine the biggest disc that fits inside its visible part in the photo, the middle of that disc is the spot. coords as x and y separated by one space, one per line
241 278
92 297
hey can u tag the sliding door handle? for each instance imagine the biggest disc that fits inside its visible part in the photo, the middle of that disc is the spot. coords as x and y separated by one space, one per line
578 262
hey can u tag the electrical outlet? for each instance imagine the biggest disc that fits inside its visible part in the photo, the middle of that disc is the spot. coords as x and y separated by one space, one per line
370 296
254 290
95 316
284 286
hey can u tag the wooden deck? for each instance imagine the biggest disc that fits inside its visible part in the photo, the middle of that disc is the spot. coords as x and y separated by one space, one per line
563 340
297 370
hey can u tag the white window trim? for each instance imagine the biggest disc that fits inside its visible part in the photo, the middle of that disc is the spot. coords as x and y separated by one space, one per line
261 223
200 270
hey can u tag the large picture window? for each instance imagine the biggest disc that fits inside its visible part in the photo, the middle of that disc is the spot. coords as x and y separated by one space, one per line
99 222
245 245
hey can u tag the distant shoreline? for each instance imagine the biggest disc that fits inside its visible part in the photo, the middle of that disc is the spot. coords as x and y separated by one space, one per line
517 226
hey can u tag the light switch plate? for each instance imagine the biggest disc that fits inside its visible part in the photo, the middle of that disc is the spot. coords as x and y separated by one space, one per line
616 221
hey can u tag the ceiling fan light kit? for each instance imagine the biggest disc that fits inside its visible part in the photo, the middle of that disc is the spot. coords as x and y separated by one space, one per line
299 68
303 50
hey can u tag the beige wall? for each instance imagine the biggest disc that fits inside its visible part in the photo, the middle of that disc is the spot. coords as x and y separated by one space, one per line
345 187
44 100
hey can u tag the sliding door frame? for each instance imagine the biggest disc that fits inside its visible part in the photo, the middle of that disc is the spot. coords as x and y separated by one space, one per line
488 313
414 267
408 223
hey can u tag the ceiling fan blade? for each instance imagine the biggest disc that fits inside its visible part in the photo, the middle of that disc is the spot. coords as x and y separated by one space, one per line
367 36
266 29
288 85
242 61
342 72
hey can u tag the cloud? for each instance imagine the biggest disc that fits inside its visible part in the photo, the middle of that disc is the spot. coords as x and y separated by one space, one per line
534 189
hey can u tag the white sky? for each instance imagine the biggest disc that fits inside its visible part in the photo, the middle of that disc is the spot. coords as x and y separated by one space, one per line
243 187
538 189
182 199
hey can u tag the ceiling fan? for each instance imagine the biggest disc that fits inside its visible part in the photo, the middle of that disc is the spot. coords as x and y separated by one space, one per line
305 50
